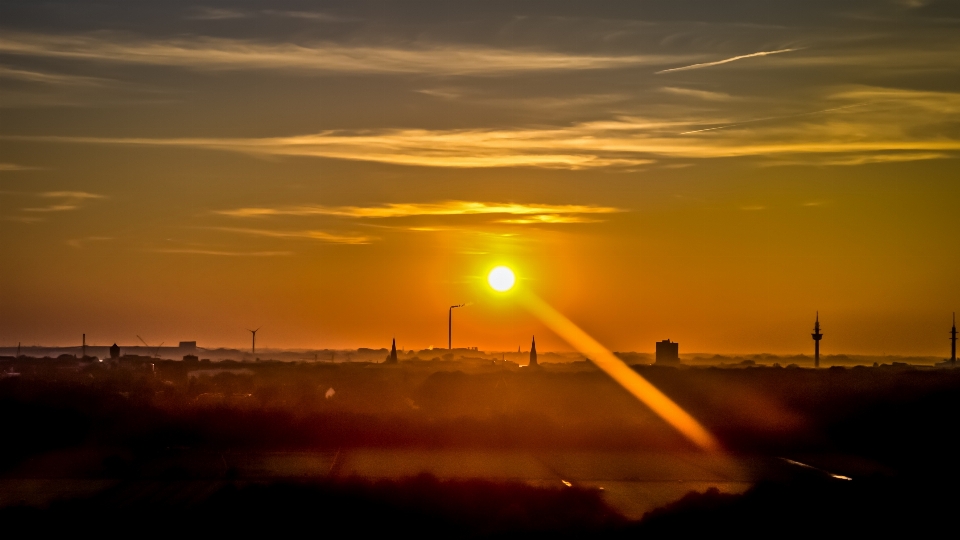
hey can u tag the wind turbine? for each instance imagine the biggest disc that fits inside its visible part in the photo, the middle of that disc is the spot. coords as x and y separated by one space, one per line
253 349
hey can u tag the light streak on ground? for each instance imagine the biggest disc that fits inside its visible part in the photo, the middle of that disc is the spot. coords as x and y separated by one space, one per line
805 466
620 372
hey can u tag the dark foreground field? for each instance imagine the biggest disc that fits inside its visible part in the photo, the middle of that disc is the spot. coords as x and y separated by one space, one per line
471 448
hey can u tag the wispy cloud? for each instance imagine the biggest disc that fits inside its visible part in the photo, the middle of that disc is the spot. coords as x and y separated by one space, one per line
769 118
49 78
913 3
70 200
445 208
308 15
81 242
204 13
72 195
932 101
15 167
882 121
726 60
322 236
549 219
220 53
23 219
698 94
442 93
220 14
52 208
565 103
221 253
582 146
865 159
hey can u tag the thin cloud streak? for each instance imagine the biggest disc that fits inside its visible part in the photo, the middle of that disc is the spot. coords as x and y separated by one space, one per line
219 253
217 14
220 14
308 15
5 167
80 242
52 208
769 118
49 78
23 219
577 147
699 94
72 200
725 61
72 195
323 236
867 159
549 219
446 208
221 53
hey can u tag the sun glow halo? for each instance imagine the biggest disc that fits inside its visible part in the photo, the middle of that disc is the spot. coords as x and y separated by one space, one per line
501 279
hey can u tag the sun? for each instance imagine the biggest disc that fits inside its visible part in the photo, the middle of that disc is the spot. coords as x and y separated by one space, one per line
501 278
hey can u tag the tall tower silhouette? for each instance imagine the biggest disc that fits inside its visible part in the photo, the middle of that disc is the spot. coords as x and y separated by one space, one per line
533 353
953 341
817 336
393 353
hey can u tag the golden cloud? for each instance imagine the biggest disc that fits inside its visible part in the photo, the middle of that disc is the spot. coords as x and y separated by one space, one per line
543 213
220 53
322 236
881 121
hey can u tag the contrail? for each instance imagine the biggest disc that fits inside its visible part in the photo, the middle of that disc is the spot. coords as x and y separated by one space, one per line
620 372
718 62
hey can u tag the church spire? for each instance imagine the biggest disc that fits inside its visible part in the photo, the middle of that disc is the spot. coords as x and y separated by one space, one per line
393 352
533 353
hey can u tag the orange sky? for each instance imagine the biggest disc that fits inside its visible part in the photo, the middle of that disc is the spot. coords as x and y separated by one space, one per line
342 174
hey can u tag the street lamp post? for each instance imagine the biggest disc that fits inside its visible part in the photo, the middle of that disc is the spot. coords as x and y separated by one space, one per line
450 327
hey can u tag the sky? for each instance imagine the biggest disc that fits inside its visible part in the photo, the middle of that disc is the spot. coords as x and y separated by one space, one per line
340 173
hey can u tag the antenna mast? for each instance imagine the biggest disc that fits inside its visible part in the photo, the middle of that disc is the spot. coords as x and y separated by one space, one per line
817 336
953 341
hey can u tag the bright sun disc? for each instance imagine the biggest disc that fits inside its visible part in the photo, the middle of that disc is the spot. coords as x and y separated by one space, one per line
501 278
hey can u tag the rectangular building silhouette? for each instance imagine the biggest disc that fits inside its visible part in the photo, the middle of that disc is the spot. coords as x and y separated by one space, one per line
668 352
